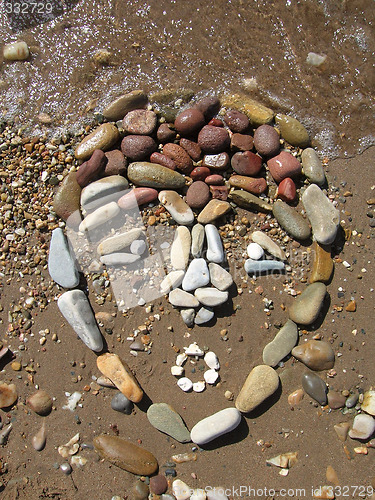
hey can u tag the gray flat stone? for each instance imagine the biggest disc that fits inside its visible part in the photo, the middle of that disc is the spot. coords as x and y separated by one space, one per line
119 259
219 277
204 315
61 261
215 250
196 276
323 216
281 345
290 220
180 298
306 307
164 418
211 297
197 235
312 166
262 266
187 316
121 403
76 309
315 387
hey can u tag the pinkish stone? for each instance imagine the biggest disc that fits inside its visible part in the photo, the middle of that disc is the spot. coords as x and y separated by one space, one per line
284 165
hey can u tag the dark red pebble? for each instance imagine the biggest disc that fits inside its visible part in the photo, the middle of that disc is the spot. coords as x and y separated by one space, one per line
200 173
215 122
161 159
214 180
219 192
92 168
192 148
246 163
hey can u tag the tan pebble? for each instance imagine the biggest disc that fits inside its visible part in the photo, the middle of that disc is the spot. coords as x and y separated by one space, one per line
342 430
323 263
213 210
120 374
16 366
324 493
40 402
39 440
331 476
151 220
316 354
261 383
229 395
8 395
296 397
361 450
351 307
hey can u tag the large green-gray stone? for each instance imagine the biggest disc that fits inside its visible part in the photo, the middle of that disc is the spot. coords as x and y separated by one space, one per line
292 131
281 345
306 307
290 220
164 418
143 173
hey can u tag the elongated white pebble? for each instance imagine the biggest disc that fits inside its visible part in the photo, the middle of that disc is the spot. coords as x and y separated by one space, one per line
39 440
100 216
185 384
16 51
215 250
211 360
215 425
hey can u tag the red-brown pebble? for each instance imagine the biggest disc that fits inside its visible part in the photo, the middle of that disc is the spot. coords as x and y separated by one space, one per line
215 122
192 148
219 192
189 122
92 168
158 484
138 147
200 173
213 139
287 190
116 163
161 159
246 163
266 140
241 142
140 122
214 180
209 106
165 133
216 162
238 122
284 165
137 197
250 184
198 194
179 156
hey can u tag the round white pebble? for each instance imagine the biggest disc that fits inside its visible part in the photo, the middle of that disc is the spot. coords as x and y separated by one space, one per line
177 371
211 376
255 251
199 386
185 384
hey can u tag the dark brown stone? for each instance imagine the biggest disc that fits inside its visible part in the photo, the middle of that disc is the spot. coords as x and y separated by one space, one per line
266 140
246 163
138 147
241 142
198 195
219 192
215 122
66 203
214 180
140 122
92 168
213 140
192 148
189 122
165 133
216 162
163 160
209 106
336 400
200 173
284 165
116 163
179 156
238 122
158 484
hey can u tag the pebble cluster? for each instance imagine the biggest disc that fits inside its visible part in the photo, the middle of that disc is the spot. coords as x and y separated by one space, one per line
210 156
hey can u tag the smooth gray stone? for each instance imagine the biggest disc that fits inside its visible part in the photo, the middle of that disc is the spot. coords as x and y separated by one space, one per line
281 345
306 307
76 309
196 276
164 418
315 387
290 220
215 250
187 316
121 403
215 425
197 235
219 277
92 195
119 259
204 315
138 247
312 166
211 297
180 298
118 241
261 266
323 216
267 244
61 261
352 400
143 173
171 281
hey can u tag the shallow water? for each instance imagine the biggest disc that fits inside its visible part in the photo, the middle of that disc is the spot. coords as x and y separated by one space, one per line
202 45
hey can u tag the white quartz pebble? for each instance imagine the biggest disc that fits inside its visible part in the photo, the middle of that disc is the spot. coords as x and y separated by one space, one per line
211 376
363 427
196 276
215 425
138 247
193 350
255 251
199 386
215 250
198 494
16 51
211 360
180 490
185 384
180 359
177 371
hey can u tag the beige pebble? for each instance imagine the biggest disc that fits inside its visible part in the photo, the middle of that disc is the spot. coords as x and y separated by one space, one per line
120 374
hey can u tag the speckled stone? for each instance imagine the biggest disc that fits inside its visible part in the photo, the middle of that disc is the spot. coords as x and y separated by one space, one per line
260 384
290 220
165 418
306 307
281 345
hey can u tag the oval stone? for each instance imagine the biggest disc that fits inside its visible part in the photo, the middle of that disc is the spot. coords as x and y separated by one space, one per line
164 160
290 220
312 166
61 261
189 121
66 202
215 425
292 131
176 206
125 455
281 345
209 106
257 113
266 140
200 173
153 175
165 419
263 266
180 298
118 241
315 354
179 156
211 297
103 191
246 163
323 216
140 122
215 250
238 122
138 147
137 197
306 307
284 165
92 168
198 194
214 180
40 402
287 190
260 384
118 108
101 215
197 240
180 249
103 137
213 139
315 387
172 281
